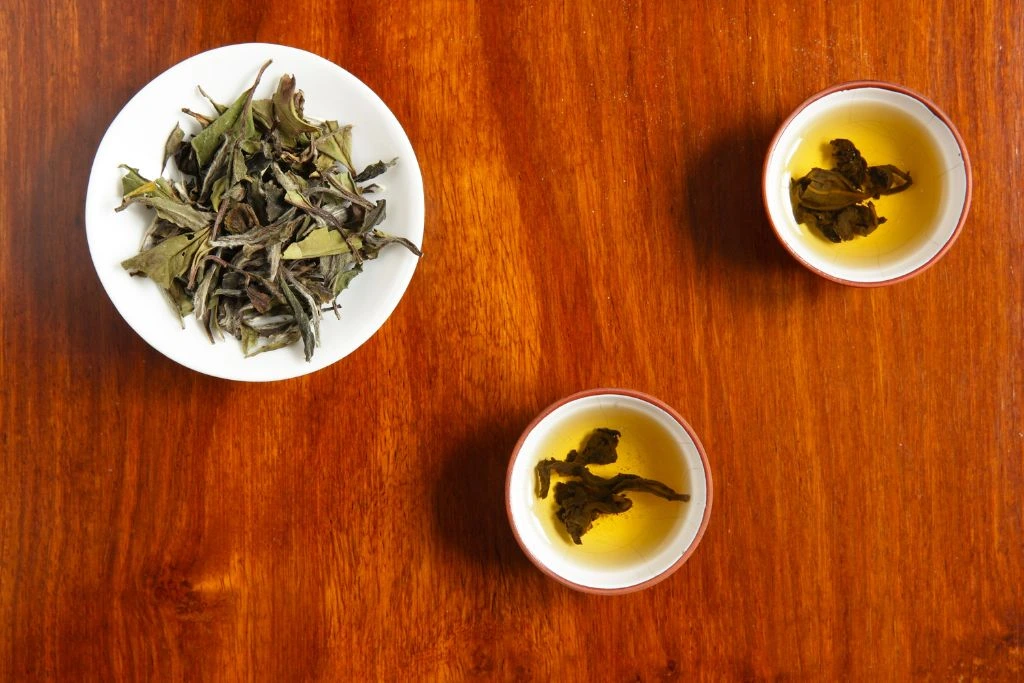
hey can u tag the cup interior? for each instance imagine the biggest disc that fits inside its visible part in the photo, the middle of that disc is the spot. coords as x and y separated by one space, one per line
655 539
917 138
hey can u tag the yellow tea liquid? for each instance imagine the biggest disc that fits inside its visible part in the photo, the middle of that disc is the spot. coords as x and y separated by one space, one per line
884 135
645 449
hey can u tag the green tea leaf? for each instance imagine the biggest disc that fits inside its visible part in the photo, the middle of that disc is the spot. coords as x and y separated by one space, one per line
288 103
263 113
250 147
167 260
245 126
301 318
324 163
217 107
825 197
142 188
179 301
238 167
209 140
849 162
374 170
374 216
132 180
296 199
320 242
342 183
217 192
343 278
345 183
174 141
886 179
286 179
253 343
175 211
378 239
217 168
203 296
336 143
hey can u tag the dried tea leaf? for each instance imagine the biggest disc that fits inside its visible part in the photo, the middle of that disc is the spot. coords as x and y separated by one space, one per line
239 170
254 343
174 141
299 201
378 239
167 260
374 170
217 107
240 219
209 140
132 180
134 185
342 183
374 216
260 300
263 113
301 318
343 278
215 171
150 188
220 186
174 211
179 300
288 103
267 226
320 242
205 291
337 143
203 120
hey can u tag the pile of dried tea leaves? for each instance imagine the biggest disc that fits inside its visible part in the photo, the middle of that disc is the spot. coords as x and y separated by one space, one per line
588 496
269 224
831 201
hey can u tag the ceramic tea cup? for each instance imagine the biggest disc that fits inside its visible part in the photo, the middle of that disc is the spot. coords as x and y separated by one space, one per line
914 135
646 543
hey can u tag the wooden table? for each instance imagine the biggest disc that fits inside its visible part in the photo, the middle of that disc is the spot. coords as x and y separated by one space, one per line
593 219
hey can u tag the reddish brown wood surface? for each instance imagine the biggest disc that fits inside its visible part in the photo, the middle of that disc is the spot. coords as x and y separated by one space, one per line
593 218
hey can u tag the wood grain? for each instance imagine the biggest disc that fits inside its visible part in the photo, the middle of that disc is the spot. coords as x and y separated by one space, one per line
593 218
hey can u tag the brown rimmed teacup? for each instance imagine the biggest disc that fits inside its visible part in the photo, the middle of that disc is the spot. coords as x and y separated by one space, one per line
608 570
868 105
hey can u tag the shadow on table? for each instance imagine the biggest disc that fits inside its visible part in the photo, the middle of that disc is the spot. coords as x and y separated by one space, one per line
469 495
724 204
67 308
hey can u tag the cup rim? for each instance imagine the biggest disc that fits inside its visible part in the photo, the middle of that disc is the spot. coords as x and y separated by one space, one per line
937 111
664 574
